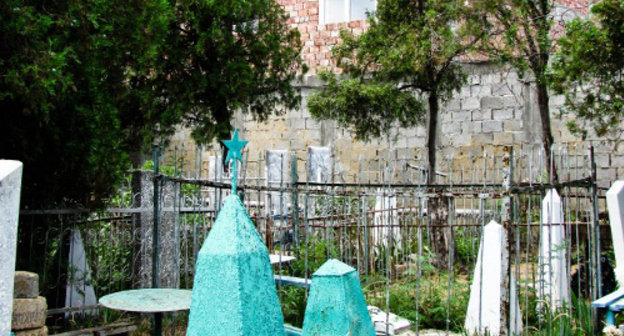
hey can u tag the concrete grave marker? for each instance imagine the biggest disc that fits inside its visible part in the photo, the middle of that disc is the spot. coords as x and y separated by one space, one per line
169 226
336 305
79 291
615 203
10 187
276 176
484 306
386 220
215 169
553 279
234 292
318 166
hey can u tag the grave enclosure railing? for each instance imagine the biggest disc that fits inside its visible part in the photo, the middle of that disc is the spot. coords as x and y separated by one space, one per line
379 220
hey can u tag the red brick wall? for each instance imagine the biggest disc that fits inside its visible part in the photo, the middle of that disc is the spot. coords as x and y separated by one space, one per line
319 39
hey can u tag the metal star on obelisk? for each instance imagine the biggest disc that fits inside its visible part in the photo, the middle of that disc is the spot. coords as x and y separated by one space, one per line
234 147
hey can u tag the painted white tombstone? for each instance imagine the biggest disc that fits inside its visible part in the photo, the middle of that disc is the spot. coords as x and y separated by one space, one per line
386 221
484 306
318 164
318 170
276 176
10 187
79 291
553 279
615 204
215 169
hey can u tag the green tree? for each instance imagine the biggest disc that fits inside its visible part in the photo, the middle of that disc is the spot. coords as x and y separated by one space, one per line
230 55
397 72
399 69
588 69
83 83
520 35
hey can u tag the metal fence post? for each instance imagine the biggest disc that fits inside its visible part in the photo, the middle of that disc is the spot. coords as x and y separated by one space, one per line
295 201
156 241
506 218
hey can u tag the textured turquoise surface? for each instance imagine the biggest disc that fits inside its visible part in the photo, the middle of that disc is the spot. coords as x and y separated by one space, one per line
234 291
336 304
148 300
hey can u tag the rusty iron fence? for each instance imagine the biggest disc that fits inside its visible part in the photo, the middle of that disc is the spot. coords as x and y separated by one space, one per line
414 244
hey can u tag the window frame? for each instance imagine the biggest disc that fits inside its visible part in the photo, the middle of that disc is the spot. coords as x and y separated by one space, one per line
346 14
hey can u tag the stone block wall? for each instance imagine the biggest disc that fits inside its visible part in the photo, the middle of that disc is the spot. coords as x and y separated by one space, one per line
495 107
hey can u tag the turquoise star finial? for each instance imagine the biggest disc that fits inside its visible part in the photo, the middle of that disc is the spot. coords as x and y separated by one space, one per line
234 153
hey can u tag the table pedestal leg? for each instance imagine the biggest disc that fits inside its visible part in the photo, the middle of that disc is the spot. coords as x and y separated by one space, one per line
157 330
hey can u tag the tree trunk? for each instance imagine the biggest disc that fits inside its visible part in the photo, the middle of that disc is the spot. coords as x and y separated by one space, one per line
431 137
547 138
439 232
438 206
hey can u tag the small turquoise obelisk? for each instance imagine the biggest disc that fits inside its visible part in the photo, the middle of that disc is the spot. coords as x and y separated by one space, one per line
234 291
336 305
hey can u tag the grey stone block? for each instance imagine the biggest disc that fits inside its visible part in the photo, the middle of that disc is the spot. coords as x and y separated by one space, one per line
492 126
464 92
481 115
452 128
490 78
312 124
460 139
503 114
26 285
470 103
512 125
461 116
602 160
29 313
452 105
481 90
617 161
512 101
492 102
501 89
297 123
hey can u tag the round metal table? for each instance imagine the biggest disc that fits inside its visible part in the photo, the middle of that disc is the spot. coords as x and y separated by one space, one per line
149 300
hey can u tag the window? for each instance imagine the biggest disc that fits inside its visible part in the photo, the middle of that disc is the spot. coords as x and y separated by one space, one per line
334 11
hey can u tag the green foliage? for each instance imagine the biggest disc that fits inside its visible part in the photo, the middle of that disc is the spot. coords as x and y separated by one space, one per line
399 68
466 246
519 34
318 252
293 302
588 69
83 84
432 303
228 55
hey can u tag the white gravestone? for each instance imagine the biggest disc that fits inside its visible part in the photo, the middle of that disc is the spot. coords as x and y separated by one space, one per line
215 169
318 165
615 204
80 292
553 276
216 173
318 170
386 221
10 187
276 177
484 306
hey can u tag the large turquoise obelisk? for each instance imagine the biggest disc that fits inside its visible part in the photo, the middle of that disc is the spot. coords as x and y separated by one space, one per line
234 292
